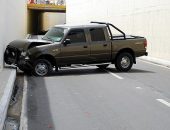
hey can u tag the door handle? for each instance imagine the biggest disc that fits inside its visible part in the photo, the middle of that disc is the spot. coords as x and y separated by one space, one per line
104 44
85 46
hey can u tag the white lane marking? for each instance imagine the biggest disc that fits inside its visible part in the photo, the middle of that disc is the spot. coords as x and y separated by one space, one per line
154 64
24 114
115 75
138 88
164 102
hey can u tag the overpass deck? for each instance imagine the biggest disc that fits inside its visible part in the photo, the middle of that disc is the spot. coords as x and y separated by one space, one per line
47 7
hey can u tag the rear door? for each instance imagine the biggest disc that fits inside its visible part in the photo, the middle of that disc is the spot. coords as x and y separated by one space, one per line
78 50
100 46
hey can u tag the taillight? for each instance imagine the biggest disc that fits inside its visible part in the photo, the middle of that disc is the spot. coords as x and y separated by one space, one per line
145 43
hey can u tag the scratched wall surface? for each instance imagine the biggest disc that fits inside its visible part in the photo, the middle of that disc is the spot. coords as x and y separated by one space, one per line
149 18
12 23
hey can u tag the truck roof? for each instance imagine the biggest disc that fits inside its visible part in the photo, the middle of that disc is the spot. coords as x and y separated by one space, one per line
89 25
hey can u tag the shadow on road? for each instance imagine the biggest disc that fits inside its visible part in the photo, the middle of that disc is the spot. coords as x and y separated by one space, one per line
140 71
92 71
78 72
131 71
38 106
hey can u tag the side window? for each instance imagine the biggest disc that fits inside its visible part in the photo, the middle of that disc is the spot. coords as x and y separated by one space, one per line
76 35
97 34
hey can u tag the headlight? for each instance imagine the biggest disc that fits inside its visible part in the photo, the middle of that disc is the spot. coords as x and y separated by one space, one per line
23 53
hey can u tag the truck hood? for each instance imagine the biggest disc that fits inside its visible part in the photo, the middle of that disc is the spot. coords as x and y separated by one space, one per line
23 45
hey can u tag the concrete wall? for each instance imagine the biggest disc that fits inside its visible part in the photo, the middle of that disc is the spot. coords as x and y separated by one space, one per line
12 23
53 19
149 18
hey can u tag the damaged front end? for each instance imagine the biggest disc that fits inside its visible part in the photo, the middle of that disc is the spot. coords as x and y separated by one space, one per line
21 53
13 56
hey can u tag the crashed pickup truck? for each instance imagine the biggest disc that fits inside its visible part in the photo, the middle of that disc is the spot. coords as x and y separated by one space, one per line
64 45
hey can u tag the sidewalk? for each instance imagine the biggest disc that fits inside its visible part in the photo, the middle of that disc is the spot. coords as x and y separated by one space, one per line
7 79
158 61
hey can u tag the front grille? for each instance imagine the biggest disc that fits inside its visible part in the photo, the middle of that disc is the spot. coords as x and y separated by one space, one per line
11 55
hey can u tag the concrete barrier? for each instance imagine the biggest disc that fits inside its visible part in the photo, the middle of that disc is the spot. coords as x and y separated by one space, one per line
7 80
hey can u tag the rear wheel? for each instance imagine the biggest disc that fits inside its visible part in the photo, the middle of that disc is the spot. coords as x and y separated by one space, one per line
42 67
103 66
124 62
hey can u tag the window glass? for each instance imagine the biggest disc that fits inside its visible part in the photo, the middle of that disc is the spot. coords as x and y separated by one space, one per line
55 34
76 36
97 34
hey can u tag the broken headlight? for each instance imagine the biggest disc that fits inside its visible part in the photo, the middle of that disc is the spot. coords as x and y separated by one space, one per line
24 54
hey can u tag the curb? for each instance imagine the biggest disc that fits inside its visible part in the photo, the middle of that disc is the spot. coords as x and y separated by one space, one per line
157 61
24 119
4 101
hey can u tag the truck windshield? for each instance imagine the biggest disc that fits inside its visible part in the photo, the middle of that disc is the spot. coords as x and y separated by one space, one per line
55 34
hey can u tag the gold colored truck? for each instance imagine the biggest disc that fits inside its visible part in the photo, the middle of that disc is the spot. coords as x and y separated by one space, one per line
64 45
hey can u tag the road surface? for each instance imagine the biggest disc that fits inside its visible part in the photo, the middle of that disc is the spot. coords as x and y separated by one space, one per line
86 98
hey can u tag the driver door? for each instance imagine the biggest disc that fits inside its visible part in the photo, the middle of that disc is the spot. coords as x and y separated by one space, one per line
78 50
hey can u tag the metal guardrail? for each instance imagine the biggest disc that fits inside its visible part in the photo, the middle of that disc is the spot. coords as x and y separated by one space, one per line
54 2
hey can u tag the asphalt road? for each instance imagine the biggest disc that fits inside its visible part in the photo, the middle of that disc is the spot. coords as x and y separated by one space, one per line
86 98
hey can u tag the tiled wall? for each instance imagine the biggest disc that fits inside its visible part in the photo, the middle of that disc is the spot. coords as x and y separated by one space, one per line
149 18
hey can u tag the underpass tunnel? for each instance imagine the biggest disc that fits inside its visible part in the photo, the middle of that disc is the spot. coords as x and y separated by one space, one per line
41 19
34 22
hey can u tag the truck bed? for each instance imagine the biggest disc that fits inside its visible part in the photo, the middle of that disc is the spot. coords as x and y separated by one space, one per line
121 37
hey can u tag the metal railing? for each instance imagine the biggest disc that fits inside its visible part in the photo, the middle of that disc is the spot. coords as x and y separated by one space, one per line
54 2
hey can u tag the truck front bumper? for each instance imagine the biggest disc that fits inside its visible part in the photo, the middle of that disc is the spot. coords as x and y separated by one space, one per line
12 56
24 64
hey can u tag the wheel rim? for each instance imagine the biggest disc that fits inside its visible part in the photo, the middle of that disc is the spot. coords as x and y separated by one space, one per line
41 69
125 62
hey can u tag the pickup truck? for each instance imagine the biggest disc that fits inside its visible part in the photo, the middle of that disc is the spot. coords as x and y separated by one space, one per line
64 45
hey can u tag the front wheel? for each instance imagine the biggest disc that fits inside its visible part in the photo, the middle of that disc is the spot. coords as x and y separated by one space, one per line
42 67
124 62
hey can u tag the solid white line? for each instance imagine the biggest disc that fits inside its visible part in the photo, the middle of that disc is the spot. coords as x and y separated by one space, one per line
24 117
115 75
138 88
151 63
164 102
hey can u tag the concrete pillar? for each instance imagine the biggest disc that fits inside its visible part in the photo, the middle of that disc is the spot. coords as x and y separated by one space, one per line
2 31
12 23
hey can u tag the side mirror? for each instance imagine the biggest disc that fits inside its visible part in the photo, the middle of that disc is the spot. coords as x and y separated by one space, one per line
67 41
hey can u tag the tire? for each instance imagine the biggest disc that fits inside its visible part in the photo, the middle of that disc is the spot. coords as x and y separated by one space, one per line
124 62
42 67
103 66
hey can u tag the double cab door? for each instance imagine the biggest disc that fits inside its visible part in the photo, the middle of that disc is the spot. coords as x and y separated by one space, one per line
100 46
88 45
78 50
